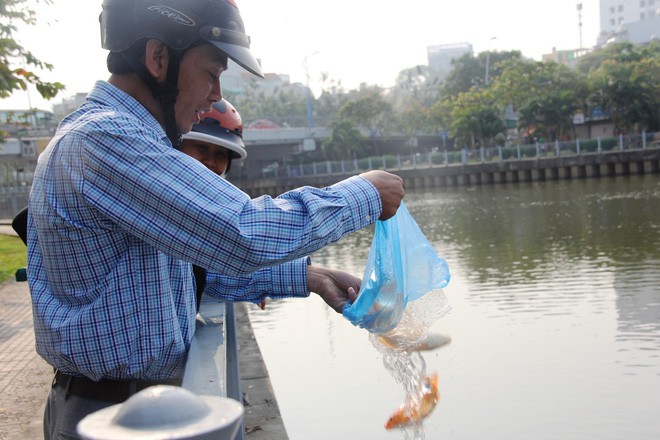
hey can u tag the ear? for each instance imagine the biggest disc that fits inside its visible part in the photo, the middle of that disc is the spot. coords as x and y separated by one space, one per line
156 59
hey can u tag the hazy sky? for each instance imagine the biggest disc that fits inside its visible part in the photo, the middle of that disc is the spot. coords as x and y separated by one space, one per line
353 41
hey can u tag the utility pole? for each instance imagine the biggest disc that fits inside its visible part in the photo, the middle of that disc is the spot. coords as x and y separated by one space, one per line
579 9
488 62
310 108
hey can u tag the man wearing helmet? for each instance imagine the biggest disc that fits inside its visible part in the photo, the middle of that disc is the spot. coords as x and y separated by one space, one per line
117 216
215 142
217 139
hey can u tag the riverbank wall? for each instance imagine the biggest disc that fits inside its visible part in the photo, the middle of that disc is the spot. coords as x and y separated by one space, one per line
589 165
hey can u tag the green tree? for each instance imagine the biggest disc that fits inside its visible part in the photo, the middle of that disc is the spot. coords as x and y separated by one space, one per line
470 71
368 110
472 118
545 94
285 106
624 82
332 97
345 141
623 52
414 93
18 66
620 88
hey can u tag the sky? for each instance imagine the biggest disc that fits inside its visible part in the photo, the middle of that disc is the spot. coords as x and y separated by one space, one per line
352 41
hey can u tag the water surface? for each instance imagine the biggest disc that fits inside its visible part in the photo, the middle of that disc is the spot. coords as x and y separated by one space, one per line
555 321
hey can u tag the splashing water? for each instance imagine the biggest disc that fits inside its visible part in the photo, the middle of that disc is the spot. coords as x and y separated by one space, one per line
401 349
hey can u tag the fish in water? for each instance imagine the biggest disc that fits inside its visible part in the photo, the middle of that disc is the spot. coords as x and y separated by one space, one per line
430 342
429 399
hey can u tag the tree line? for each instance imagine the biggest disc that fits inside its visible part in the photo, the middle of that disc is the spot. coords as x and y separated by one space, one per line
519 98
465 107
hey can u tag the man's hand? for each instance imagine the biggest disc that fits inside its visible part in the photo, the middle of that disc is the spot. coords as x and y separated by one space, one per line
390 188
334 286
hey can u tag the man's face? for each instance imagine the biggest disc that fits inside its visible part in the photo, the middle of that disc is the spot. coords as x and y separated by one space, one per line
214 157
199 84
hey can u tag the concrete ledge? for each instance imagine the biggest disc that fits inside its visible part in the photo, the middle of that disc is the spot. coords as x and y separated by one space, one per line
263 420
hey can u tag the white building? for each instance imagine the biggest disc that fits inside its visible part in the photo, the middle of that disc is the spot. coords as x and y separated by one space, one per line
440 57
636 21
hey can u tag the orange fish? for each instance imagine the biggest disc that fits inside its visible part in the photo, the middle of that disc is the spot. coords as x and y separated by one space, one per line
430 342
430 398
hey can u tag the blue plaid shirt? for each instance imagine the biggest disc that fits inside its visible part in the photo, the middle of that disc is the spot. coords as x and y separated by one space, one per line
117 216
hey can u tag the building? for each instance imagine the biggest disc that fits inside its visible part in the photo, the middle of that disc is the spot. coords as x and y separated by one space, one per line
68 105
441 57
566 57
33 122
636 21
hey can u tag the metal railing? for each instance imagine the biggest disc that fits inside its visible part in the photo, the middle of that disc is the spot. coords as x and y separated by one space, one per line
212 367
471 155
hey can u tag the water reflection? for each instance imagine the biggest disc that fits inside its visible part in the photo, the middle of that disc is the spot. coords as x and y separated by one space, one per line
556 321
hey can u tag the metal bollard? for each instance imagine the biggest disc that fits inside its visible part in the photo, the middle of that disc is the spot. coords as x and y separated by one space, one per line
165 412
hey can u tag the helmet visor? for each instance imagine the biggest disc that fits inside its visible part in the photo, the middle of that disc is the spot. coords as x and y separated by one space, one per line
229 140
235 45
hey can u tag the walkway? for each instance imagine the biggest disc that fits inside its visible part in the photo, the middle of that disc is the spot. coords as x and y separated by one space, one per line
25 378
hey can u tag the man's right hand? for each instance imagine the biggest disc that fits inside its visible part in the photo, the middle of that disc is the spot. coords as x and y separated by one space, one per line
390 188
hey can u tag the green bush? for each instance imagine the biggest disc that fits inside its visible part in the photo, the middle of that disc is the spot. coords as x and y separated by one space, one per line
13 256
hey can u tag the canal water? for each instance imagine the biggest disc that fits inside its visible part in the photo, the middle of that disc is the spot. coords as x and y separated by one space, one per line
555 321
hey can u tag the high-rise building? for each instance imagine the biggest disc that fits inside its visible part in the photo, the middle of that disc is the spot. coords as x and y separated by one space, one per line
440 57
636 21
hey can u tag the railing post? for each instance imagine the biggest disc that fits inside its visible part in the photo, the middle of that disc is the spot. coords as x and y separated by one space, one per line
538 150
446 158
398 161
463 156
499 152
621 142
557 147
481 151
577 146
519 154
600 146
644 139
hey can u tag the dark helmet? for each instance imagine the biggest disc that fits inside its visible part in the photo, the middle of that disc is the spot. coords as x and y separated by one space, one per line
178 24
222 126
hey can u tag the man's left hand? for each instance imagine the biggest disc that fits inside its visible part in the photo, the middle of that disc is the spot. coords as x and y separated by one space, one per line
334 286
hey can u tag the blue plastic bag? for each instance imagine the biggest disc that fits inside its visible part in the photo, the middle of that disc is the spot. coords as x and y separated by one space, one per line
402 266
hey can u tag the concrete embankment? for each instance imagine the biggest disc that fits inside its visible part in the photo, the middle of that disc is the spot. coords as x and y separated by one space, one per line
590 165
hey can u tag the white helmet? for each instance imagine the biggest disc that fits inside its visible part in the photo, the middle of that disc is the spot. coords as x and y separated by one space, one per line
222 126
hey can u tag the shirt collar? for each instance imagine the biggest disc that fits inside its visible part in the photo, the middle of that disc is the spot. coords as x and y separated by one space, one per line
106 94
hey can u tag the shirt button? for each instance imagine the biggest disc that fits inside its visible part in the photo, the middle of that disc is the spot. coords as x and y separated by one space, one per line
368 218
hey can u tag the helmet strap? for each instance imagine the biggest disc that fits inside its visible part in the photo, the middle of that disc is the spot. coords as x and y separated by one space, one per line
165 93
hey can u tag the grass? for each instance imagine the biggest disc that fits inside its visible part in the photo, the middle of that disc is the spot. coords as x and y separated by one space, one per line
13 256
